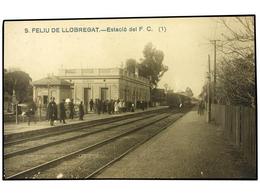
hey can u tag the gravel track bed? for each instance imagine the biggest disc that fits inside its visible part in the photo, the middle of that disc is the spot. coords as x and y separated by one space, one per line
84 164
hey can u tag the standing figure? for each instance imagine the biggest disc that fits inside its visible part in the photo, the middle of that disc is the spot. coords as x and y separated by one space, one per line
71 108
81 111
95 106
201 108
112 105
31 112
109 106
62 111
142 105
52 111
123 106
91 104
132 107
120 106
104 105
116 107
99 106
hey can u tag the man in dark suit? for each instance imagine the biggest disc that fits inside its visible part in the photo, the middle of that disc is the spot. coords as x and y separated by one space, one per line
81 111
62 111
91 104
71 108
52 111
31 111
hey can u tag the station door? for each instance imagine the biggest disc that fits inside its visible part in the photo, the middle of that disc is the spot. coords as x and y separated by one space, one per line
104 94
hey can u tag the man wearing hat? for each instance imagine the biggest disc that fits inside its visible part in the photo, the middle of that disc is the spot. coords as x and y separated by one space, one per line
52 111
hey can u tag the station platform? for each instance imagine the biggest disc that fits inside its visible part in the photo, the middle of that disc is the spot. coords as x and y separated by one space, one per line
22 127
188 149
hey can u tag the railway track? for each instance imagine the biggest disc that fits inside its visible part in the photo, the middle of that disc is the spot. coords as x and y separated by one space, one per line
61 137
58 161
16 139
116 158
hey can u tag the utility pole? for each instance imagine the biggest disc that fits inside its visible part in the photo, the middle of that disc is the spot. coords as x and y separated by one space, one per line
214 42
209 93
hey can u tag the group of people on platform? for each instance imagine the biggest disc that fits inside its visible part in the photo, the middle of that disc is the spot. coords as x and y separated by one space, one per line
66 110
110 106
55 112
98 106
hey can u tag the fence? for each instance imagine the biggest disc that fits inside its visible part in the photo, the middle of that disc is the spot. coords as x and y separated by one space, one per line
239 124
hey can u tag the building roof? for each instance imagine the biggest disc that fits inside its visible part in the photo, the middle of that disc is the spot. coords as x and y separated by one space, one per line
52 80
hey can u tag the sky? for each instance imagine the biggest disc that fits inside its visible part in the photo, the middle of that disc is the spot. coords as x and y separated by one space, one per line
29 46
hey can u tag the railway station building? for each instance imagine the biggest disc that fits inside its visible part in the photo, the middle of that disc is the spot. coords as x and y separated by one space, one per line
51 86
86 84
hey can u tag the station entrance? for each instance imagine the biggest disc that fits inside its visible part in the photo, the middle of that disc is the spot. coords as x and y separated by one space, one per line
104 93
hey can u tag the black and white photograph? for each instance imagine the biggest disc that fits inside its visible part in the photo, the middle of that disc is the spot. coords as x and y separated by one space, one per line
130 98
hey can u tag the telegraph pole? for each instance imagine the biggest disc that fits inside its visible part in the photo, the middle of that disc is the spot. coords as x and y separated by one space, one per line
214 42
209 93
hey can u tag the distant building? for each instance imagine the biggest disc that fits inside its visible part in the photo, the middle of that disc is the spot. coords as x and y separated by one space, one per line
86 84
158 96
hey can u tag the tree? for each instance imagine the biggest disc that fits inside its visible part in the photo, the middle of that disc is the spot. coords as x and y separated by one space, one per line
236 69
166 86
189 92
237 82
131 65
238 39
151 67
19 82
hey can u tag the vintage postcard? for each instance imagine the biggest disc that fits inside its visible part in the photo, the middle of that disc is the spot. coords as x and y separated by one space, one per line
130 98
